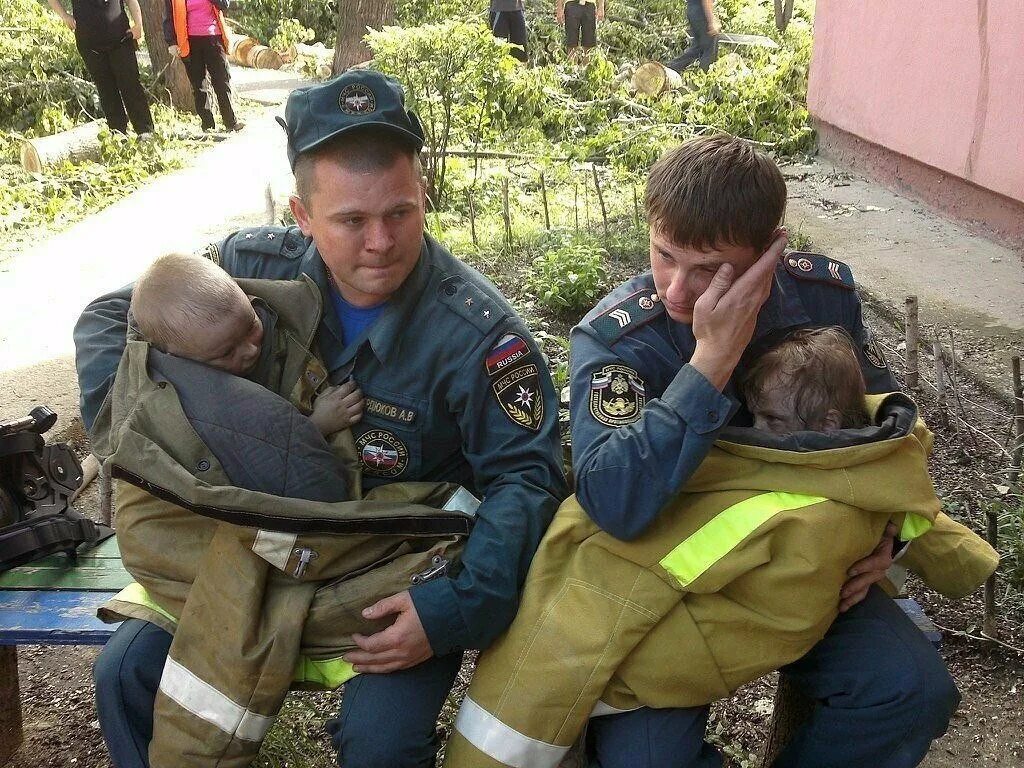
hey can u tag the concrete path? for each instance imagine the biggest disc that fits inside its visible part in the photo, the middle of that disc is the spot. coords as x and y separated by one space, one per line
45 286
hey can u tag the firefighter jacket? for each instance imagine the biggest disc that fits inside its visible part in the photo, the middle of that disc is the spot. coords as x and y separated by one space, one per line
738 576
231 527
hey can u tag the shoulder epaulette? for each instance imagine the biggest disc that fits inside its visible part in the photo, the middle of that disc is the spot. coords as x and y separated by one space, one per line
816 268
469 302
288 242
630 313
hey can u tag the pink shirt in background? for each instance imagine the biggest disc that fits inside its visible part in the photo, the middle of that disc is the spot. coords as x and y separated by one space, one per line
202 22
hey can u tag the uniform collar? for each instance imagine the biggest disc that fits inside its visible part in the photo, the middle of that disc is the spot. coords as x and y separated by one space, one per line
384 336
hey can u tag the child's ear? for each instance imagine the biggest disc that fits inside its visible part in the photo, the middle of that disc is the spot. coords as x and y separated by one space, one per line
833 420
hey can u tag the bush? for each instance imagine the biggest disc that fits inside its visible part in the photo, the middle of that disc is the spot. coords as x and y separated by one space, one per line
569 277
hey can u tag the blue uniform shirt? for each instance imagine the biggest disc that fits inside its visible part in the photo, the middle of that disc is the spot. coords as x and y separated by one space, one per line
643 419
456 390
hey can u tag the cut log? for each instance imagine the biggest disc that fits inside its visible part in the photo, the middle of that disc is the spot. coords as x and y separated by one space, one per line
262 57
77 145
654 79
238 48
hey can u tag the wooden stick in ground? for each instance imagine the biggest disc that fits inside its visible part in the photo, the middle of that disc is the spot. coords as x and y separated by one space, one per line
505 212
600 200
989 625
544 197
913 338
1018 420
576 205
636 207
472 216
942 418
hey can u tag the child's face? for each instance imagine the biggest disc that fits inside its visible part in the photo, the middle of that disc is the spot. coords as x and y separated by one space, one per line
232 344
775 409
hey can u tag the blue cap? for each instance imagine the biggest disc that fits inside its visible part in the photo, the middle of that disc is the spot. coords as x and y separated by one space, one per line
354 99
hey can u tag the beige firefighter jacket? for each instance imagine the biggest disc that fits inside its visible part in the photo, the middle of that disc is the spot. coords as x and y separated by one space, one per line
259 590
739 576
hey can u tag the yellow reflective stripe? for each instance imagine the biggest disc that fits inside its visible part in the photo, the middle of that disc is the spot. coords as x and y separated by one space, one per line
329 673
914 526
726 530
137 594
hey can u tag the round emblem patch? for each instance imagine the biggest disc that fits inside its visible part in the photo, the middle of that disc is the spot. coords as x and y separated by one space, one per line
645 303
357 99
804 265
382 454
617 395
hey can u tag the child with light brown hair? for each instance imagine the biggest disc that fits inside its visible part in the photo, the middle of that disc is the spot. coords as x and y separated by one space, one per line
189 307
812 381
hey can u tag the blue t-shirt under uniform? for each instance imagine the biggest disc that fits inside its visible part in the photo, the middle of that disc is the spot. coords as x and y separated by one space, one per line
354 320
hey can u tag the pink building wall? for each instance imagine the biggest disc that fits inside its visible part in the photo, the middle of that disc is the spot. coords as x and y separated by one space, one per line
938 81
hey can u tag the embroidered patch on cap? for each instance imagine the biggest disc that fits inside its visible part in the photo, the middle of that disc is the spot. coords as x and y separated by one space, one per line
211 252
519 395
357 99
382 454
507 351
617 395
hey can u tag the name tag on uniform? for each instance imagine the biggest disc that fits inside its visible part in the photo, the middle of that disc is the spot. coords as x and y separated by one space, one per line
389 411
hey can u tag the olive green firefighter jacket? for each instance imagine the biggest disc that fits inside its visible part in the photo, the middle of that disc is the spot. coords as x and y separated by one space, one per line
242 540
738 576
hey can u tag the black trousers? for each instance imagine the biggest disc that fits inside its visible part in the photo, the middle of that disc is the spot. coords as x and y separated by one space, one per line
115 72
580 22
703 47
206 56
511 26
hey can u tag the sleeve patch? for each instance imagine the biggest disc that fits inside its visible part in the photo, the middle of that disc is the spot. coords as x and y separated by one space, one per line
819 269
211 252
509 349
872 352
519 394
617 395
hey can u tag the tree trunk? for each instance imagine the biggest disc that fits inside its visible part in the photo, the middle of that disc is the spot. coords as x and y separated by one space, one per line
354 16
169 70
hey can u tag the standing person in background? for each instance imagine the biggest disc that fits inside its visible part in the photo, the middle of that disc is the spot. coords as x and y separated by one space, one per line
704 32
195 32
508 21
107 44
580 19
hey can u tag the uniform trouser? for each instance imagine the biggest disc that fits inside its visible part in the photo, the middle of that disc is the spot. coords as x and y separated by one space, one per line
882 692
511 26
703 47
206 55
580 24
116 75
385 720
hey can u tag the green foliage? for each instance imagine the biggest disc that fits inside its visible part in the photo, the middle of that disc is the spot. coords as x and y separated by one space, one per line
570 275
1010 521
262 18
459 80
289 32
43 82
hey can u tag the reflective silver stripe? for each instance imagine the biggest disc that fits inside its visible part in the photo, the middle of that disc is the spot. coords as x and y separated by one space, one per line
274 547
601 708
207 703
502 743
462 501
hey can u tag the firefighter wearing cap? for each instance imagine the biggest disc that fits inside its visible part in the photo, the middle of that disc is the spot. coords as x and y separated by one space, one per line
456 390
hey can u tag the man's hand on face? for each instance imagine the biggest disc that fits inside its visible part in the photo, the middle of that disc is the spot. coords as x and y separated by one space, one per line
870 570
402 645
725 314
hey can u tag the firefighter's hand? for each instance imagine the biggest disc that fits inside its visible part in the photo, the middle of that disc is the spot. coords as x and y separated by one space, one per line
868 571
402 645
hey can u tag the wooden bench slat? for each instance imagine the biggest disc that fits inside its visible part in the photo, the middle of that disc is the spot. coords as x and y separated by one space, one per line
48 617
97 569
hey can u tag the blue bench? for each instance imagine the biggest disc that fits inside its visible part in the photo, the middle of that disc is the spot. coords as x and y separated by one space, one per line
51 602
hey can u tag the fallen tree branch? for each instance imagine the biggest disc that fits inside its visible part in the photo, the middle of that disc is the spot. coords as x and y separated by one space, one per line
981 637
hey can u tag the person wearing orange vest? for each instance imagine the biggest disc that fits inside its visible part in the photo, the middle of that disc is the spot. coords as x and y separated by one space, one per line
195 32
